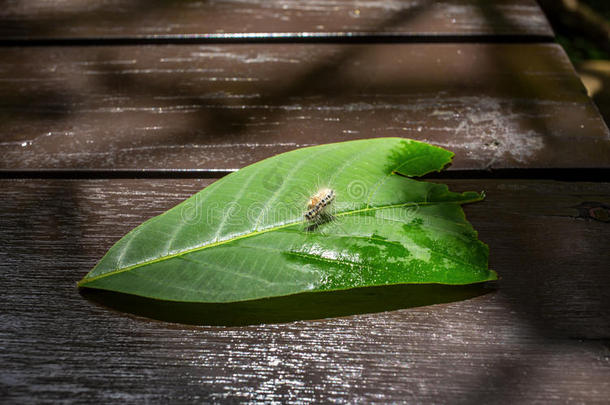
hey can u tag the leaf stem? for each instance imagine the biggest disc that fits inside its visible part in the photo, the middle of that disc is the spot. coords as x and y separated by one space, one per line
86 280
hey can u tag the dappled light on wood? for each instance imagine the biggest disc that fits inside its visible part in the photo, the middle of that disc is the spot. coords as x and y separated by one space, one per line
113 112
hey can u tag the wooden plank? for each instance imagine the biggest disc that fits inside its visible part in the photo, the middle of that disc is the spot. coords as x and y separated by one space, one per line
223 107
540 335
40 19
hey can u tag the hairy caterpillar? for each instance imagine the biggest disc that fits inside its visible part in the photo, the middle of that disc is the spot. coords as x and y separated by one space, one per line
318 203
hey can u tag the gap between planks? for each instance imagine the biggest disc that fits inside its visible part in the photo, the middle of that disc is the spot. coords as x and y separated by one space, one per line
283 38
558 174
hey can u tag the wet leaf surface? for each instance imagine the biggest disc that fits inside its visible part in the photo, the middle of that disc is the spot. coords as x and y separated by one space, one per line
245 236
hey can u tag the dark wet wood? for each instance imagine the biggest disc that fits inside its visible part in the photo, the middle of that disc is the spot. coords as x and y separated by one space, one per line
541 335
226 106
37 19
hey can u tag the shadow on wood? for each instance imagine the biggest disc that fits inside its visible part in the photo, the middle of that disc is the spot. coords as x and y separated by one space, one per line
305 306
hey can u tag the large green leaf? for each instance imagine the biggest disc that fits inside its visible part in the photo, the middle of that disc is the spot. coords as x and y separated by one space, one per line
245 237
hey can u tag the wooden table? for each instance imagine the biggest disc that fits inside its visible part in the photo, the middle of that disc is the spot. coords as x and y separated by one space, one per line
114 111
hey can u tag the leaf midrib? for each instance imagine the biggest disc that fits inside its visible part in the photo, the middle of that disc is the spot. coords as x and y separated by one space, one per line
251 234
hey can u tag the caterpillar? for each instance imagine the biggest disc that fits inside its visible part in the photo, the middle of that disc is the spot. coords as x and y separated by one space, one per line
318 203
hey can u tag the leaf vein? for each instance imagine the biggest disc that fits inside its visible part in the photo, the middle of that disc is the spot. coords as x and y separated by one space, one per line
251 234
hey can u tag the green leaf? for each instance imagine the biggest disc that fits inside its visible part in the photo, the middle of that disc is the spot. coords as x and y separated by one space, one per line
245 237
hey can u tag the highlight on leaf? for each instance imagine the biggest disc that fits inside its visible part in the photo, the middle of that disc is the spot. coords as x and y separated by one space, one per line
324 218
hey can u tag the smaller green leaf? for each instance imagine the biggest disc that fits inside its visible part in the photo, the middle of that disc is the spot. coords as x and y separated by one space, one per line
245 237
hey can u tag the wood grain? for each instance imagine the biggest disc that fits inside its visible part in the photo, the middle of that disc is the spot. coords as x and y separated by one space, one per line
540 335
39 19
223 107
